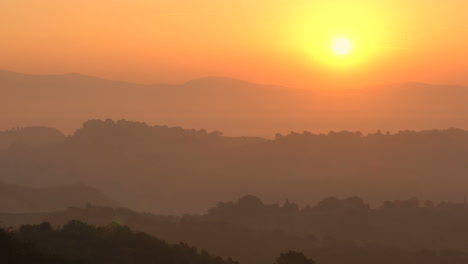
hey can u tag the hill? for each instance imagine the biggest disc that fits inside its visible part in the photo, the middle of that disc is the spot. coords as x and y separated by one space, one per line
233 106
174 170
20 199
331 232
31 136
77 242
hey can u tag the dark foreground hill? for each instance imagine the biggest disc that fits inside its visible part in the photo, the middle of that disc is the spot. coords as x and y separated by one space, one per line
333 231
174 170
79 243
20 199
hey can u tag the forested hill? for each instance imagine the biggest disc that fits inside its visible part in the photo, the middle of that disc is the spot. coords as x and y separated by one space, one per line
30 136
21 199
172 170
235 106
332 231
80 243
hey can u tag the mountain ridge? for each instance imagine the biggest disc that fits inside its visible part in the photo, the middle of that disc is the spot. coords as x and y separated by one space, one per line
234 106
208 78
20 199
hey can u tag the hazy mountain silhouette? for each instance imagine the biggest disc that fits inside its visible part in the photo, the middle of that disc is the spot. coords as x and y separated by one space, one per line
18 199
236 107
31 136
332 231
175 170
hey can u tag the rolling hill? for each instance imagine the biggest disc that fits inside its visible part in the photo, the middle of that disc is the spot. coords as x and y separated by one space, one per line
233 106
20 199
175 170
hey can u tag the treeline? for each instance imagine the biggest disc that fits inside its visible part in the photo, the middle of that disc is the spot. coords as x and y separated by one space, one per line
332 231
21 199
174 170
77 242
406 223
30 136
16 251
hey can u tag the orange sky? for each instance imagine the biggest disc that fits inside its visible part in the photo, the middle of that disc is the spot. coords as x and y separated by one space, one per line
283 42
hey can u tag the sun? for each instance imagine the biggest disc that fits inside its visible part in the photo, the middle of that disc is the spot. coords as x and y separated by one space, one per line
341 46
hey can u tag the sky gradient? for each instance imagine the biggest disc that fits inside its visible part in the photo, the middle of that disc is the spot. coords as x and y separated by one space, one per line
280 42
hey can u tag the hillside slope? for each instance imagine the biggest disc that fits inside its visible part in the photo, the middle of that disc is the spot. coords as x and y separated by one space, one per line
19 199
233 106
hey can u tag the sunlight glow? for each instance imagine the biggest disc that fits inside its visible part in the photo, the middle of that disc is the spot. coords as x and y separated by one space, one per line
341 46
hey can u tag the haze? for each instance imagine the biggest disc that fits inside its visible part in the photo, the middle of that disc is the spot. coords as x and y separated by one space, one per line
275 42
233 132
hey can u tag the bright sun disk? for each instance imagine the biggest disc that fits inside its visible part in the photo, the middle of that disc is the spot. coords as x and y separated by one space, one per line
341 46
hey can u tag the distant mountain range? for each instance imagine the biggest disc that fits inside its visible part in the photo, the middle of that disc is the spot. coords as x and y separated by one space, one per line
233 106
20 199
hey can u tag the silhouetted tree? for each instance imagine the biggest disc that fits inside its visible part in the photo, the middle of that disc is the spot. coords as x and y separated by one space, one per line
293 257
78 242
330 203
